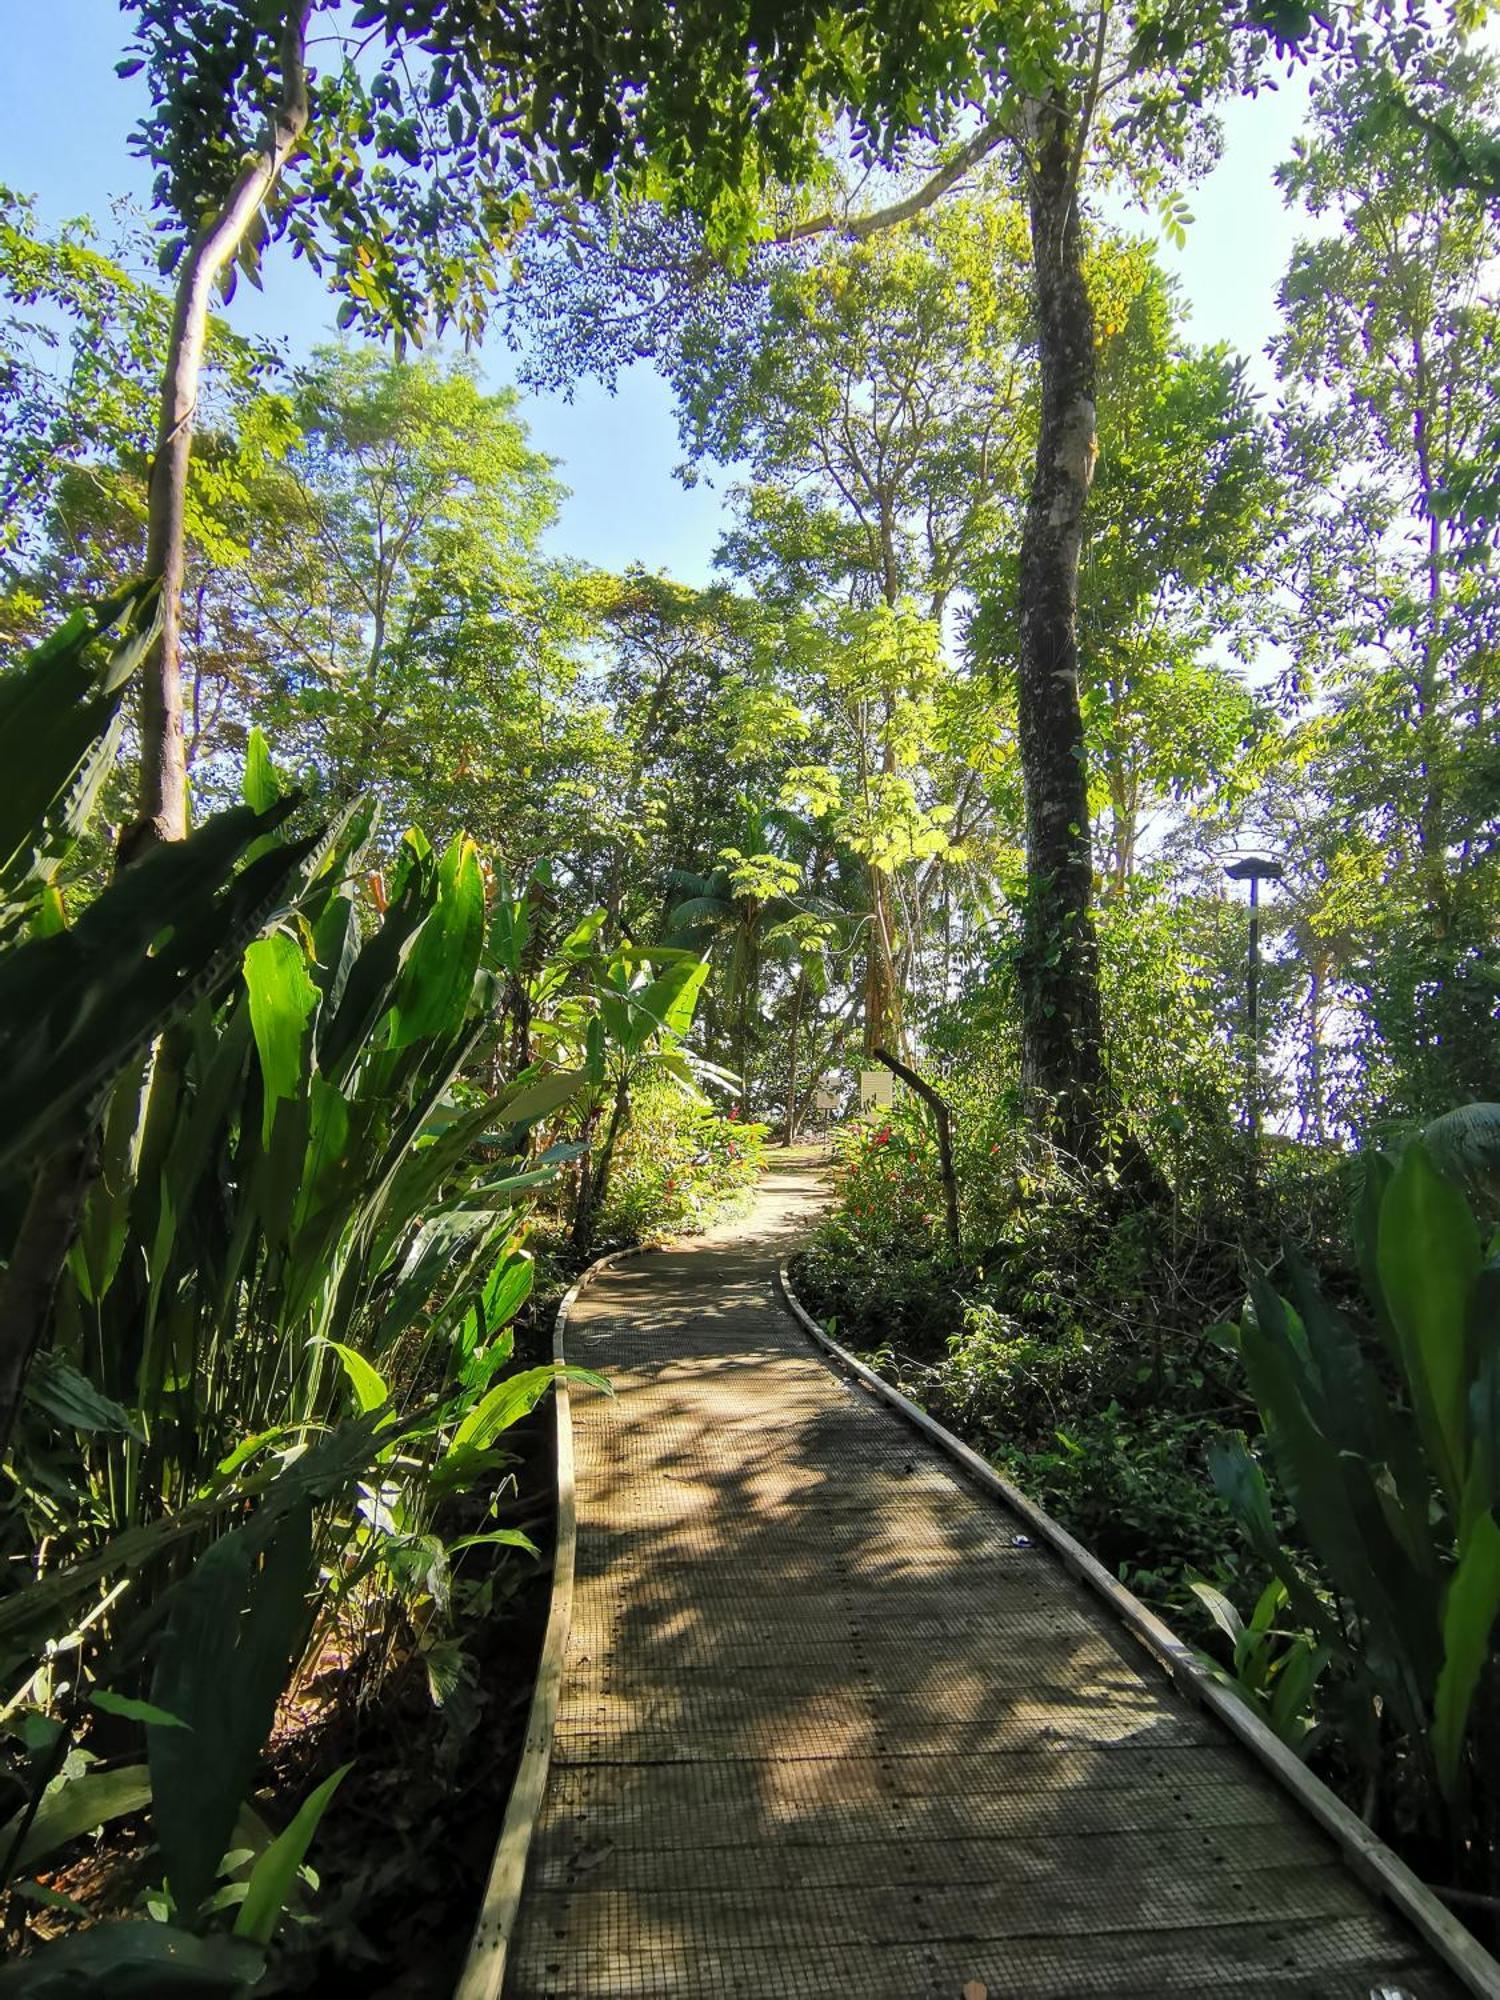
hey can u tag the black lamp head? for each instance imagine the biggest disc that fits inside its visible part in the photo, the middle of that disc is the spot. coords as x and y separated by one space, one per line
1254 868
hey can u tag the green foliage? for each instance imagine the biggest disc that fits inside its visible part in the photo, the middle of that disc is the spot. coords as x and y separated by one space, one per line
679 1167
278 1347
1393 1494
437 130
1274 1670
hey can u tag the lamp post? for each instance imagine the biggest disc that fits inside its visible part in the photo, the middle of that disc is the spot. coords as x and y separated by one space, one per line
1254 869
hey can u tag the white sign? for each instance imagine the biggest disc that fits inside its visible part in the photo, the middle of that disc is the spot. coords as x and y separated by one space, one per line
877 1087
826 1100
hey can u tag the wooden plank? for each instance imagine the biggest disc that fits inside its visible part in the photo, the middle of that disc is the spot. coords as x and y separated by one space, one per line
1351 1959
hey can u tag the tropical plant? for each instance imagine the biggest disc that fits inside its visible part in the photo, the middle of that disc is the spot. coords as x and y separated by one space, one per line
1274 1671
273 1339
1394 1494
634 1027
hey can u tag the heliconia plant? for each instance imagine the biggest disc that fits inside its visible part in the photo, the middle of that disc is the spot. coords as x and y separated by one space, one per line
1386 1444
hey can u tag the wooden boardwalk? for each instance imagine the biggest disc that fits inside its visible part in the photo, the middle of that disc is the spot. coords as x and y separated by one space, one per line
833 1724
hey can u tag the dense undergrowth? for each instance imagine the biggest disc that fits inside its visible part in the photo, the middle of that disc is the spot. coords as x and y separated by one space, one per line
1076 1340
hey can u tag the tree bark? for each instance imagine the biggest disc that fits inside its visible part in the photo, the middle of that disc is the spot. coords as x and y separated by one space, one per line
1059 974
798 998
161 801
882 1006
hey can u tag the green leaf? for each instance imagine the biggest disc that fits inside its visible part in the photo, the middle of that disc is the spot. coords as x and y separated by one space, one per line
438 979
367 1382
134 1961
511 1400
56 1387
77 1806
133 1710
1221 1611
260 786
61 721
1429 1258
235 1624
1469 1613
502 1538
275 1871
672 998
50 1899
283 1001
539 1099
508 1289
1297 1677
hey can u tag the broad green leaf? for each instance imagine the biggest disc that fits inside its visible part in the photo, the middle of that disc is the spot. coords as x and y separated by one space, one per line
134 1961
260 786
235 1624
1429 1257
1469 1613
438 978
538 1099
77 1806
1221 1611
275 1871
507 1290
56 1387
671 998
1295 1680
510 925
511 1400
1327 1488
283 1001
61 720
51 1899
501 1538
367 1382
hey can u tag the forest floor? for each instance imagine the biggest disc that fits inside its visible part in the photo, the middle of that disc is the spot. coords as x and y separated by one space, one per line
832 1722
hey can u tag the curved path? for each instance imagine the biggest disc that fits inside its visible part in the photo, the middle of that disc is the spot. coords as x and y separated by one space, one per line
833 1725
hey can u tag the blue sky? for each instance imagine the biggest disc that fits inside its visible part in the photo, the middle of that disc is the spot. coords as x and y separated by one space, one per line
65 120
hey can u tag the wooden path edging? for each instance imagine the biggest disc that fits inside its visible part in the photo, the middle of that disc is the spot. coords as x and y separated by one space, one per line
1368 1856
483 1975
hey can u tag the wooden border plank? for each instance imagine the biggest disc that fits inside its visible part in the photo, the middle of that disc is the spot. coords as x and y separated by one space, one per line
1376 1865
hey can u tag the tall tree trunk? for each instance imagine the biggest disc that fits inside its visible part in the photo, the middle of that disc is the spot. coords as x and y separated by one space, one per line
1059 973
161 802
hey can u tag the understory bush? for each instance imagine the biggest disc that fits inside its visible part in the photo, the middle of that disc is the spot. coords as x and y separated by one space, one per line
1078 1339
678 1166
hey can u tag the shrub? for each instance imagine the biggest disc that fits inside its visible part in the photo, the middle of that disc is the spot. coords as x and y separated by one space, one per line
679 1165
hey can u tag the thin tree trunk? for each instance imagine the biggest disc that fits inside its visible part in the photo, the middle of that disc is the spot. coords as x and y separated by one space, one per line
798 1000
598 1182
1059 977
882 1006
161 802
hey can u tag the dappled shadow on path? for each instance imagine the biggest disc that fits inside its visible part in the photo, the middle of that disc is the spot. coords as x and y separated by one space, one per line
834 1725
